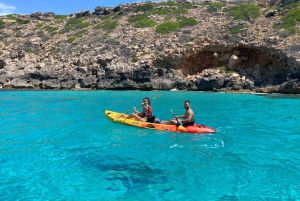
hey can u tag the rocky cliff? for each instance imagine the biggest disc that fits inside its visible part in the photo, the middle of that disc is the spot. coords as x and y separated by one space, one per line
135 46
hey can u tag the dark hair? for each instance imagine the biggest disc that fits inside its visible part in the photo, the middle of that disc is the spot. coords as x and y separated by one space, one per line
187 101
147 100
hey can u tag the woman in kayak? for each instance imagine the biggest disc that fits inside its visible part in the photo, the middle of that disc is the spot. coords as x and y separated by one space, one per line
145 113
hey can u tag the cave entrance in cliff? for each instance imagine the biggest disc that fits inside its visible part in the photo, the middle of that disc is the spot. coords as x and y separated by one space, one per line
263 64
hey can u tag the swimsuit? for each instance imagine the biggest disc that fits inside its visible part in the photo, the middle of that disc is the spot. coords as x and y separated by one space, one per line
187 124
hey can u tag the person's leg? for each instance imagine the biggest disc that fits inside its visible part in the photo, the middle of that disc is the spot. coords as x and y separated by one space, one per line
171 122
136 117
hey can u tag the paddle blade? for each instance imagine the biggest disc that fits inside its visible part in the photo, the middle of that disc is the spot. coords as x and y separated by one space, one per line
159 95
172 113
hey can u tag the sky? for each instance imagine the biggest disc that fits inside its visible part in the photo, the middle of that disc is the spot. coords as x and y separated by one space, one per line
58 7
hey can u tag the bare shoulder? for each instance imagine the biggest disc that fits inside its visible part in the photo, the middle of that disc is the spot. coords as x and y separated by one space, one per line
190 111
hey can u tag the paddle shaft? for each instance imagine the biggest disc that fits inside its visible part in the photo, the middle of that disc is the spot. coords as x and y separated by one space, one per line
159 95
176 119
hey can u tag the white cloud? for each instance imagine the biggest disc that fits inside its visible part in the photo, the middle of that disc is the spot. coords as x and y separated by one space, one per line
6 9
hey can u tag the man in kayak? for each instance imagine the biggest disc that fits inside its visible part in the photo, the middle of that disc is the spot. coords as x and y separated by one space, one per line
145 113
188 117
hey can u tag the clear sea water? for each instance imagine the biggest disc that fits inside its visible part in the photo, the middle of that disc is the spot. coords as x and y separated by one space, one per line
57 145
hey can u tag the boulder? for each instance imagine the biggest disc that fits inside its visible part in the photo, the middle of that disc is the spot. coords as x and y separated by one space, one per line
225 57
50 84
85 82
13 55
270 13
234 63
2 64
210 83
21 54
290 87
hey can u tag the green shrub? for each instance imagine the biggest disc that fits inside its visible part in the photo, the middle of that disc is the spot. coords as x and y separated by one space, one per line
134 58
236 29
98 26
169 3
292 5
66 29
70 40
286 23
1 23
39 25
24 22
138 18
186 5
82 25
244 11
289 21
167 27
179 11
224 69
171 11
183 21
110 25
214 7
80 33
295 14
292 30
60 17
145 23
53 33
107 25
50 28
161 12
178 5
73 21
144 8
105 17
11 17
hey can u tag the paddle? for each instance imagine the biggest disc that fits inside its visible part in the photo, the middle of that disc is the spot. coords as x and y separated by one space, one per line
178 124
159 95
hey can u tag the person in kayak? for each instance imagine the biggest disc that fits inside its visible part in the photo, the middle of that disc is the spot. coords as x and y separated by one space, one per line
145 113
188 117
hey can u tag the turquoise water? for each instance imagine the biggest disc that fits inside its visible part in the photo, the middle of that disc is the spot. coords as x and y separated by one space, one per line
57 145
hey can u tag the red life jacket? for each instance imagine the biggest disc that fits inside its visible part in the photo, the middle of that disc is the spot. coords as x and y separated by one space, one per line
149 112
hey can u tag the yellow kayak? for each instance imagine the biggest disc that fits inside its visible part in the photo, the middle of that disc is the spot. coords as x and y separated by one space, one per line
121 119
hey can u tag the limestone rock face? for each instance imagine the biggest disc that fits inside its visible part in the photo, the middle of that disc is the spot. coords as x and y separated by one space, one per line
40 51
42 16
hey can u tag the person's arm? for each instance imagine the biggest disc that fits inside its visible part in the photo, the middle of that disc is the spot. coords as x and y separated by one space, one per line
182 116
145 110
189 117
136 112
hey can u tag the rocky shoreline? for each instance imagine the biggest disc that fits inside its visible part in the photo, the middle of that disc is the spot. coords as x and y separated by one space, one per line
205 57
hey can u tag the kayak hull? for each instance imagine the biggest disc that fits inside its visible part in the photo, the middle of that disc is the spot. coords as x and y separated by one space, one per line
120 118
